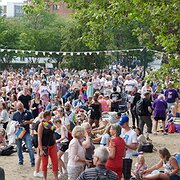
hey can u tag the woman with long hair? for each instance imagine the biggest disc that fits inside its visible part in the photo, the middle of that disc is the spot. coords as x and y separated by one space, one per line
170 164
4 117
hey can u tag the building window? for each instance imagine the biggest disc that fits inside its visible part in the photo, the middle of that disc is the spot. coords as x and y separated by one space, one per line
18 10
55 7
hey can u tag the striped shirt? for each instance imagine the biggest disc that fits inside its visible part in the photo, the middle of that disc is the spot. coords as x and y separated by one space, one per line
92 173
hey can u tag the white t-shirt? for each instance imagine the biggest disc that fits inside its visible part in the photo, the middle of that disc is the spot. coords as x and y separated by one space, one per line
96 83
129 137
129 84
53 87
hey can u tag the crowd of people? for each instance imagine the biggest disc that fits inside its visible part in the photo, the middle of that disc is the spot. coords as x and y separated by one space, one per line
56 111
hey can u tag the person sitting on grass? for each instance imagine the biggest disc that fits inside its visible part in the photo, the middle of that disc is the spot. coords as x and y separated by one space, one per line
170 164
140 166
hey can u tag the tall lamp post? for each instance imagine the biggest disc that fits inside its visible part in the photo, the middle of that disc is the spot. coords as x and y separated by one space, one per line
144 52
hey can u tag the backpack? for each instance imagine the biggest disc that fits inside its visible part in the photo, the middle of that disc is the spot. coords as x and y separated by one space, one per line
103 175
139 107
171 128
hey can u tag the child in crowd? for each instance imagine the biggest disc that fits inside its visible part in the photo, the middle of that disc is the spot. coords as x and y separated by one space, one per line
140 166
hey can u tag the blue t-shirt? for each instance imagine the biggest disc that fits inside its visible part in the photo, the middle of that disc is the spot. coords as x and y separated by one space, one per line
24 116
104 139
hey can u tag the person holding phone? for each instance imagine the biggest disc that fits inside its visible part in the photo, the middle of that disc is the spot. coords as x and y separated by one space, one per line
47 144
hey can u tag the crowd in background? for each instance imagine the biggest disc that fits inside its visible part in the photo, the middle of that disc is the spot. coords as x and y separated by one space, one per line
56 111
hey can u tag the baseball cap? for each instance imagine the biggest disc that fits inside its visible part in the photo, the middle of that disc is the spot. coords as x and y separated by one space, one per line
123 120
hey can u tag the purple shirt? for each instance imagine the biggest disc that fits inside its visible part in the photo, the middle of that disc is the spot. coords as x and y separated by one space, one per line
171 95
160 106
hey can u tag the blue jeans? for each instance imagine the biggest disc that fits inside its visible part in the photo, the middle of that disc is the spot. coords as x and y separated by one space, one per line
28 141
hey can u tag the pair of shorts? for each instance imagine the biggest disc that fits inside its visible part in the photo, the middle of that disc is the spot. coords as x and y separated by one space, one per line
160 118
62 146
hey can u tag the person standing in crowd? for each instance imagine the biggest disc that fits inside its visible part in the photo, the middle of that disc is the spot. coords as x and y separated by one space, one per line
145 117
35 126
47 144
160 107
88 143
36 84
76 154
4 116
90 90
131 145
70 115
12 104
44 93
25 98
79 102
100 158
24 118
53 87
62 143
96 82
36 105
116 151
136 98
104 104
129 83
171 96
96 111
115 100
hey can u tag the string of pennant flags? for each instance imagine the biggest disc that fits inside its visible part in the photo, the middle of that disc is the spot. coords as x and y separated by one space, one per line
107 52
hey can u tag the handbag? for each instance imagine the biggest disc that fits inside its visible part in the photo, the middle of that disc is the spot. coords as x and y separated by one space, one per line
20 133
147 148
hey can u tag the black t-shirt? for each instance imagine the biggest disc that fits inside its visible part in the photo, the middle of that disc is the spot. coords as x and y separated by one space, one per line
115 96
25 100
146 104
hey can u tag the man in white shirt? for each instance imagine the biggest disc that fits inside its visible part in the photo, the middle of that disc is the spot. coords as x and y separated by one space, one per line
130 139
129 83
96 82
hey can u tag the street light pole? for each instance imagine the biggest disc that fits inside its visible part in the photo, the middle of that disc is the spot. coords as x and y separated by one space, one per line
144 61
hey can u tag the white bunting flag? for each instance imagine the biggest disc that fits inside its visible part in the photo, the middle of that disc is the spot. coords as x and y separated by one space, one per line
90 53
36 53
57 53
78 53
8 50
97 53
2 50
85 53
64 53
71 53
44 53
22 51
16 51
50 53
29 51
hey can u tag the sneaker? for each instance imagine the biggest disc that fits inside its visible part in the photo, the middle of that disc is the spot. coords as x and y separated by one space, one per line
21 163
32 164
38 174
165 133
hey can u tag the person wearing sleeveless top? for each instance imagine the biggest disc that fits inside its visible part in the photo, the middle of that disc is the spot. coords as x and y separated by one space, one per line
47 144
62 143
170 165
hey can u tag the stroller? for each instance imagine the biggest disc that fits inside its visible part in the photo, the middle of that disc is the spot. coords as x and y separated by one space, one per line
123 105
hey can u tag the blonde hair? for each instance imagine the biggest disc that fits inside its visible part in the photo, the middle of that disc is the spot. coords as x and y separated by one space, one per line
161 96
85 125
78 132
141 157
